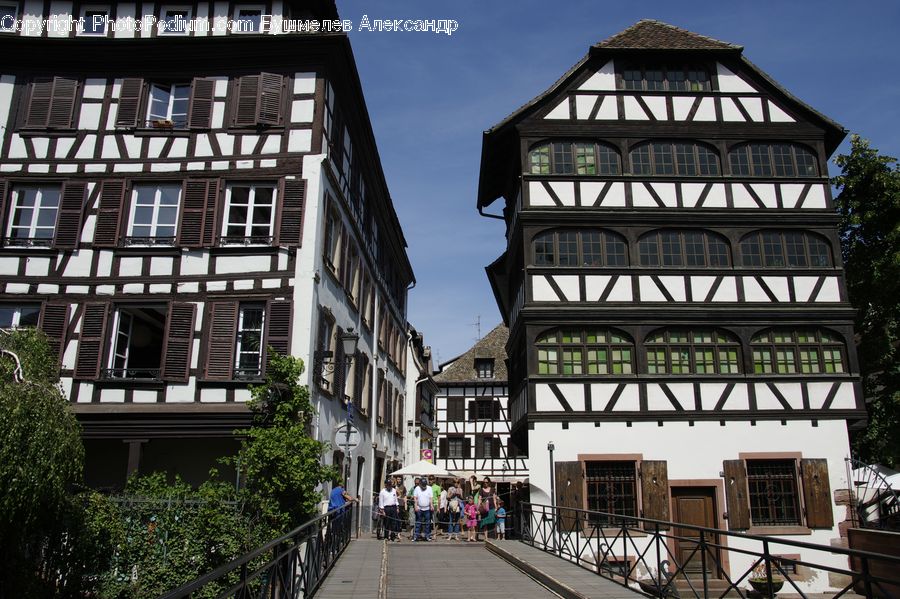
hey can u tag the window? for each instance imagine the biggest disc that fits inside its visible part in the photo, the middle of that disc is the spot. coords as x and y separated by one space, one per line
773 160
660 78
456 447
487 446
484 368
484 410
175 21
331 236
456 409
573 158
249 19
248 348
249 214
326 339
702 249
697 351
168 105
779 249
9 13
137 344
580 248
94 20
611 489
154 214
51 103
34 215
681 158
773 492
14 317
584 351
798 351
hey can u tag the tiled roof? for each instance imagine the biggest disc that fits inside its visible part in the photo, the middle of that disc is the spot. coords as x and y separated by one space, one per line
462 369
648 34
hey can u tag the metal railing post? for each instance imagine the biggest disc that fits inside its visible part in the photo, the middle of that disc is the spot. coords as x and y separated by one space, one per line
867 580
659 561
768 558
703 565
625 553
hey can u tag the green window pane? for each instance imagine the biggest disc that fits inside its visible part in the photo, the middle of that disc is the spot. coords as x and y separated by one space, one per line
705 360
585 159
784 361
833 360
809 360
539 161
762 361
656 362
728 361
681 360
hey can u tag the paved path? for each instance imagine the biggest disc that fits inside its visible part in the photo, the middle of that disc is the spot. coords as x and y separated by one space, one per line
357 572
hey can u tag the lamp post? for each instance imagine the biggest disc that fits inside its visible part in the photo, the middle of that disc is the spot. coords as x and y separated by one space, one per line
550 448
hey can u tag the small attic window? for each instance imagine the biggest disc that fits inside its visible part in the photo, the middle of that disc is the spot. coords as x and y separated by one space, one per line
484 368
690 78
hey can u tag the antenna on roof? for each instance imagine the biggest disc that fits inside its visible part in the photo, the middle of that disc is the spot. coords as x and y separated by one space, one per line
477 325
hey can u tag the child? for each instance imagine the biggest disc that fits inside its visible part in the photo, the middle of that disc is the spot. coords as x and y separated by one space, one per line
471 519
501 520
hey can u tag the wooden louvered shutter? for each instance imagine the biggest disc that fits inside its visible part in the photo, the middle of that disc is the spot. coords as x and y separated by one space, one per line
655 492
54 320
290 227
197 226
220 344
495 447
479 447
443 448
62 106
91 341
109 213
471 408
569 493
129 102
179 341
39 102
467 448
496 408
270 94
201 107
245 110
68 221
278 328
817 493
736 497
5 204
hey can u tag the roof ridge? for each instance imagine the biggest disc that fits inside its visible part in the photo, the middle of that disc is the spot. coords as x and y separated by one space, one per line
623 39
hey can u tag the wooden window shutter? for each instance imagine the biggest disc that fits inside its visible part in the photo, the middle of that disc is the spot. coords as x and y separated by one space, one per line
655 492
68 221
62 108
223 317
496 405
817 493
109 213
737 499
495 447
54 321
569 493
201 106
290 226
245 109
91 341
444 447
179 341
5 201
278 328
39 102
199 207
479 447
467 448
129 102
471 410
270 99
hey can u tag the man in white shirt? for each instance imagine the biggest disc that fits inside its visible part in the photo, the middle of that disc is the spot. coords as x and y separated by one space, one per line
388 509
423 499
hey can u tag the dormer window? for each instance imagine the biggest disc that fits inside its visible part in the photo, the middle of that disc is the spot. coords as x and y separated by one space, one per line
484 368
248 19
9 12
175 20
669 78
573 158
94 21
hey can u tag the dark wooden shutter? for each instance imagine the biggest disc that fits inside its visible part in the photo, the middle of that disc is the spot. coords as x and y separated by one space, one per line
278 328
293 198
495 447
496 406
817 493
201 107
220 344
471 409
655 491
129 102
54 320
91 341
444 447
39 102
245 110
109 213
5 203
62 107
479 447
569 493
197 225
736 497
68 221
179 340
270 94
467 448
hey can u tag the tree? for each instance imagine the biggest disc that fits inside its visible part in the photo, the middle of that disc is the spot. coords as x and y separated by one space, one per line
869 205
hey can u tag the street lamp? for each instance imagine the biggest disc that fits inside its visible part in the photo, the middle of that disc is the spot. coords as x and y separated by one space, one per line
550 448
324 362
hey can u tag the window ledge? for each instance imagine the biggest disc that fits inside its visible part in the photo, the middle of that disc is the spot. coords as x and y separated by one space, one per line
126 383
779 530
47 132
159 131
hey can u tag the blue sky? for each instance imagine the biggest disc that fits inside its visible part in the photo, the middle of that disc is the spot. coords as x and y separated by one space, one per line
430 97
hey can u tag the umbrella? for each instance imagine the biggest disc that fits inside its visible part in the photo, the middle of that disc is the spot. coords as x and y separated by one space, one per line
422 467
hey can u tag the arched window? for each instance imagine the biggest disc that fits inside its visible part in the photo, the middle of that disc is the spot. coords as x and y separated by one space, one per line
773 160
692 351
573 158
778 249
793 351
572 351
683 248
679 158
585 247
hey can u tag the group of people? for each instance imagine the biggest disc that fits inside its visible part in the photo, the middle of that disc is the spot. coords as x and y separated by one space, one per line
432 507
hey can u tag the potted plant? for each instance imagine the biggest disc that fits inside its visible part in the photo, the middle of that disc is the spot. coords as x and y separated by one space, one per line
760 582
163 124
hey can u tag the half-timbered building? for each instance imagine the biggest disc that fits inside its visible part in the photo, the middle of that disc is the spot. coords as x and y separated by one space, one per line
679 323
473 413
181 192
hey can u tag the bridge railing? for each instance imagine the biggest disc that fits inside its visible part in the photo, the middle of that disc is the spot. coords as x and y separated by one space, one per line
668 559
290 567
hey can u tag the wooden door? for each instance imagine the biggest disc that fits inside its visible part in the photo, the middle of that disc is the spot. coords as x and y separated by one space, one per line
695 506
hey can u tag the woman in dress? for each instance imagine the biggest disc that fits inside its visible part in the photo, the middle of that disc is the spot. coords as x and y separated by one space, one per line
488 507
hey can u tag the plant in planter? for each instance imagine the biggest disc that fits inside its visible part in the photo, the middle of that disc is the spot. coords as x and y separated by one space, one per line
760 582
659 584
163 124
